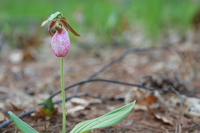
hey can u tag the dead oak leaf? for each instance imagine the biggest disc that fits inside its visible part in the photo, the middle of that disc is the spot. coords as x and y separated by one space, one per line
15 107
148 100
164 119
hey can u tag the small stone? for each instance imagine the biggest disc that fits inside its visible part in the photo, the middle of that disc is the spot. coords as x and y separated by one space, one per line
16 56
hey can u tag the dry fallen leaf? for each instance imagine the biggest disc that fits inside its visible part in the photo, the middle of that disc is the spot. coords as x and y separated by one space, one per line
75 109
80 101
39 112
15 107
84 102
147 103
148 100
2 117
193 106
164 119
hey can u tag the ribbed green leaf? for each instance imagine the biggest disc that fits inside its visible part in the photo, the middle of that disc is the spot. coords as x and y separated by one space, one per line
106 120
25 128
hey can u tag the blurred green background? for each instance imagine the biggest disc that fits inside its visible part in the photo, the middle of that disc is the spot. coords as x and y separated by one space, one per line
101 22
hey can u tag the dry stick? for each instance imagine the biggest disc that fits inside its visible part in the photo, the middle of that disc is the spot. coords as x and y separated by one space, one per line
178 124
6 123
194 127
125 83
86 94
115 61
120 58
110 81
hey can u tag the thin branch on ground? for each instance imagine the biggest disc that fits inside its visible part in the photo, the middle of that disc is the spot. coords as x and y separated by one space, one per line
120 58
86 94
73 96
6 123
119 82
178 124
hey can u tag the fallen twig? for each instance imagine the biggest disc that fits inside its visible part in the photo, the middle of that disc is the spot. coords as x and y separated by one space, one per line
71 86
86 94
6 123
120 58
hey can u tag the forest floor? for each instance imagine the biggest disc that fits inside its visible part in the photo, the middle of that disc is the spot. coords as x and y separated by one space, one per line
172 105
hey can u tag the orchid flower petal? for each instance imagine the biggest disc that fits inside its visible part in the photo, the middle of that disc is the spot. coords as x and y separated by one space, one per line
60 43
67 26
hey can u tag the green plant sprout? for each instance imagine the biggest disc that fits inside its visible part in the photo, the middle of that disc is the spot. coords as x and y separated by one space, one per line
60 44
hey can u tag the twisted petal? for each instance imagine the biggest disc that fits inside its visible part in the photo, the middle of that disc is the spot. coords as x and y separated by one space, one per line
67 26
60 43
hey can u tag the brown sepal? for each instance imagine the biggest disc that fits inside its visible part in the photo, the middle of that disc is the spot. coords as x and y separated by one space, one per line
67 26
65 19
51 25
50 33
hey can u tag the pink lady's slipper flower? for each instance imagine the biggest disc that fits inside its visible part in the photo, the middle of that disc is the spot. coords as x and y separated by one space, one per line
60 42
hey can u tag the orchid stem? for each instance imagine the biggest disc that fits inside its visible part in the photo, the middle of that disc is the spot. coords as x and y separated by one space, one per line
63 94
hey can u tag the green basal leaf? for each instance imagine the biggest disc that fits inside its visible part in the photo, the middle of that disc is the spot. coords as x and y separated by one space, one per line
25 128
52 17
106 120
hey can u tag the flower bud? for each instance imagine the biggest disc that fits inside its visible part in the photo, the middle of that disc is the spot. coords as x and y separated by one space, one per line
60 42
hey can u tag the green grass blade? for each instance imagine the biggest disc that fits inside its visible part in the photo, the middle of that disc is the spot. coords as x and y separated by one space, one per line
25 128
106 120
